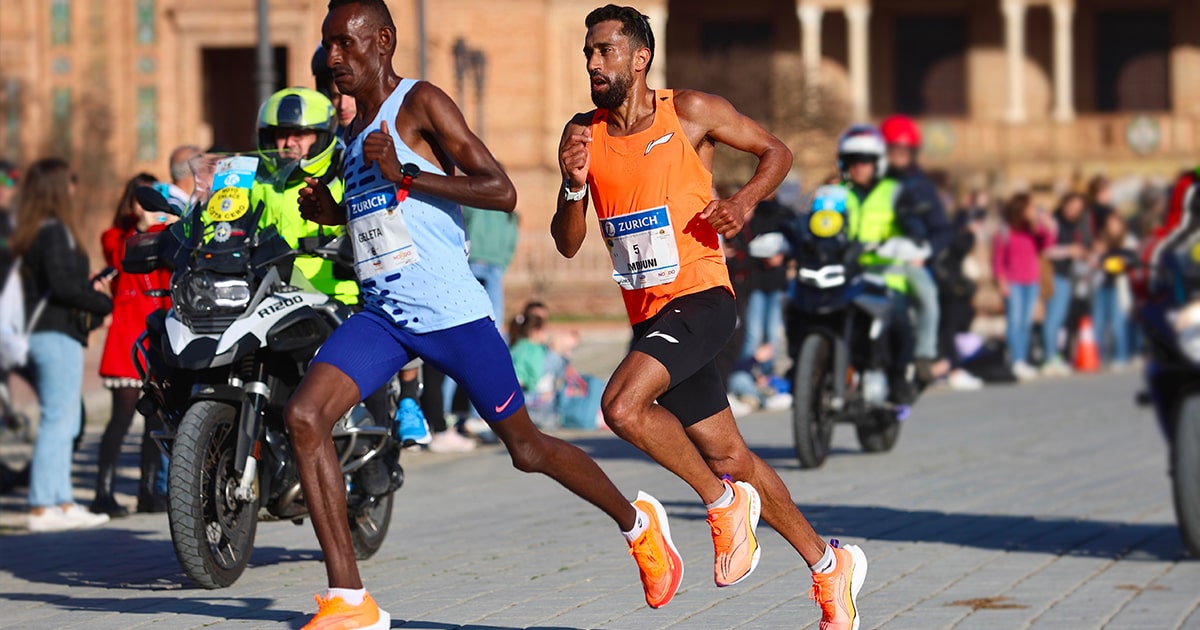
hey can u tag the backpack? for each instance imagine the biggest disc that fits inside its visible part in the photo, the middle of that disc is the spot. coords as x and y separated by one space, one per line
14 330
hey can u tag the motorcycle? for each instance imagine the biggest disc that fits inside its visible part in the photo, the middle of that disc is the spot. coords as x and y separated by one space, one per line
838 321
1170 319
219 366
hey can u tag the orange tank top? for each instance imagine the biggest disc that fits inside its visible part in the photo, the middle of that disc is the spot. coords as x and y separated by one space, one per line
649 189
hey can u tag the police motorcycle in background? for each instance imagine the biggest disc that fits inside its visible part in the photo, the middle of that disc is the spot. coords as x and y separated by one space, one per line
838 318
220 366
1170 319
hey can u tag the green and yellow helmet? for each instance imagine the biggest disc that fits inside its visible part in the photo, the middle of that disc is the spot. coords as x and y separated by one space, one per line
302 109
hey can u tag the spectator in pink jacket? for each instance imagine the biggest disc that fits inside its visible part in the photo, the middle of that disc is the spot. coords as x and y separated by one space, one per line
1016 264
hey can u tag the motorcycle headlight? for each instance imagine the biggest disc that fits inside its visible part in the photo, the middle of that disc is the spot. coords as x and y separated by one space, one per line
204 293
1187 327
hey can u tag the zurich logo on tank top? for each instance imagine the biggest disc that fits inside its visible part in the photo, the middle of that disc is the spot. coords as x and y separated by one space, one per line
411 255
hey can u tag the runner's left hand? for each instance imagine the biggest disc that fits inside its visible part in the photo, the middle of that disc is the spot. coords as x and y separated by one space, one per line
380 149
724 216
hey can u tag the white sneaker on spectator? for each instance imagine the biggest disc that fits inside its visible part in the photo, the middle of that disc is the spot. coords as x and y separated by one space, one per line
964 381
739 408
52 519
1024 372
778 402
84 517
56 519
479 428
1055 367
451 441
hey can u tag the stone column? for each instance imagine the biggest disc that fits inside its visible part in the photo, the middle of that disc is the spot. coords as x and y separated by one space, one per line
1014 49
1064 71
858 16
810 41
657 78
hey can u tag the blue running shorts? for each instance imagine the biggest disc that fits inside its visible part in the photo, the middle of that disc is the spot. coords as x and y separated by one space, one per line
369 349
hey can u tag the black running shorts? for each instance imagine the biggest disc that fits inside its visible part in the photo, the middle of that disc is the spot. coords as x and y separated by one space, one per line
686 336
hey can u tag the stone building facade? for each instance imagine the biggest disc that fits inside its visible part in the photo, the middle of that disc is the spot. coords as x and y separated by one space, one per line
1009 92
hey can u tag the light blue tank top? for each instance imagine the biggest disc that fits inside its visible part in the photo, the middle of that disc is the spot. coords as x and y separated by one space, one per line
438 291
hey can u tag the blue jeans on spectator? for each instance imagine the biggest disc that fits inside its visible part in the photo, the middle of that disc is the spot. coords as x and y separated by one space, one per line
58 365
492 279
923 290
1109 316
1056 315
764 321
1019 311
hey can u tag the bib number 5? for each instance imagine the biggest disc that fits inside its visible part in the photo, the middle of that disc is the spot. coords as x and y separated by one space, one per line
642 248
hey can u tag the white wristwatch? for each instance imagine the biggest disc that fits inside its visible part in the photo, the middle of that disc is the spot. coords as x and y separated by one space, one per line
574 196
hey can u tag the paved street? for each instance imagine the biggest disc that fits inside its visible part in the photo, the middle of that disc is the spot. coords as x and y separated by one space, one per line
1040 506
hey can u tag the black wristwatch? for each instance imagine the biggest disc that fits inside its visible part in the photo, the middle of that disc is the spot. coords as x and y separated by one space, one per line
410 172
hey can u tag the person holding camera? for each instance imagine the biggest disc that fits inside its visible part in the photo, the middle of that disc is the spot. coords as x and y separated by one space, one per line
135 297
63 306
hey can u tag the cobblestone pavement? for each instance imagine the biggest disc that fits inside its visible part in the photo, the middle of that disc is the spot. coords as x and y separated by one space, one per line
1040 506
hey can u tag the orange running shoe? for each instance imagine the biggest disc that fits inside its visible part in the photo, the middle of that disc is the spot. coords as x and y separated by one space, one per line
335 614
658 560
733 535
837 592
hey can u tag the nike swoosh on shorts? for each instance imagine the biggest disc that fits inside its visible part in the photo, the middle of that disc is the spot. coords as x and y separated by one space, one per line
501 408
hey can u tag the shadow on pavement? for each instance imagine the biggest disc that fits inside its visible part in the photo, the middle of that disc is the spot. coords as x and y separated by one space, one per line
114 558
217 607
608 446
438 625
1059 536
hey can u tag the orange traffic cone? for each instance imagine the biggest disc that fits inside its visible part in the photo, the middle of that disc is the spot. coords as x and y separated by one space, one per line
1087 355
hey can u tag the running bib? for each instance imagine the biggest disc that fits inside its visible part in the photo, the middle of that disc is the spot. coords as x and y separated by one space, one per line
642 247
382 243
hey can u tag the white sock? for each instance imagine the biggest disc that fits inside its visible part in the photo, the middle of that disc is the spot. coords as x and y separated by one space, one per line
639 525
827 563
726 499
352 596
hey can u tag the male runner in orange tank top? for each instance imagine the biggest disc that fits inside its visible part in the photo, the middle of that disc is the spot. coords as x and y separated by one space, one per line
645 157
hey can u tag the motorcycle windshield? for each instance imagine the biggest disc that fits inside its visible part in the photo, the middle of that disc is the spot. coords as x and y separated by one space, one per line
223 222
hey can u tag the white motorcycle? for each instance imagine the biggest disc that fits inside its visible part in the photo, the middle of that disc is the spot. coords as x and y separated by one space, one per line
220 365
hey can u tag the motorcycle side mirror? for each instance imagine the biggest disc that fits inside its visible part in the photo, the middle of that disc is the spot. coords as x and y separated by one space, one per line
152 201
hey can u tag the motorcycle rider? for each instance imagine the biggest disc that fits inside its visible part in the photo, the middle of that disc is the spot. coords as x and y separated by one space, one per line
924 222
874 217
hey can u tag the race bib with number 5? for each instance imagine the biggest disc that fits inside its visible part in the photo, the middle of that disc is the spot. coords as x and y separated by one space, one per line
642 247
382 243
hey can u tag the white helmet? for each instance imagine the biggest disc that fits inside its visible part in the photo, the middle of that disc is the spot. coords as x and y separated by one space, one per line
862 140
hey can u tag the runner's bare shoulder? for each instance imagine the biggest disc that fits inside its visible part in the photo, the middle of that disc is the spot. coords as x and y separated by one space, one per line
696 107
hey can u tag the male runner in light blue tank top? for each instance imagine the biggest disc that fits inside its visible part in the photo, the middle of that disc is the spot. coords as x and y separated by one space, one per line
403 213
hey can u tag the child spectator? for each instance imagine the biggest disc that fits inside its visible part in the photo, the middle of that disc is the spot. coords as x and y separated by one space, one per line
1016 261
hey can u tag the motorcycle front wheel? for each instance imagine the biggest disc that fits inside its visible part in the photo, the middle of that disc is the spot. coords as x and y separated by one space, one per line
812 419
1185 472
879 435
212 531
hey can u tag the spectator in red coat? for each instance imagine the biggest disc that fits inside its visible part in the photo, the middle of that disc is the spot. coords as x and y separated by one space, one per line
132 303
